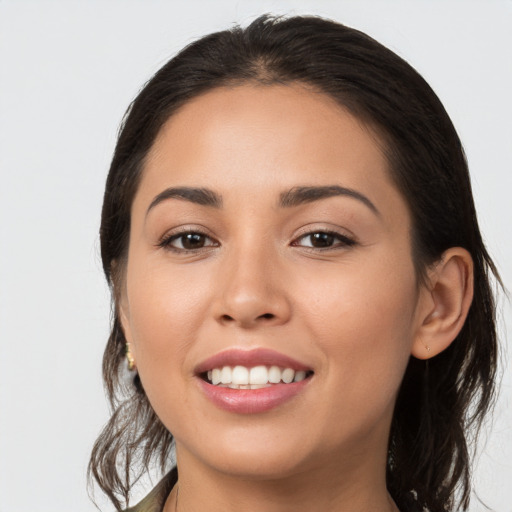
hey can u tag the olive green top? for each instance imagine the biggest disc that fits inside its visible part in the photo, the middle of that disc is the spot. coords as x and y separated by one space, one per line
155 500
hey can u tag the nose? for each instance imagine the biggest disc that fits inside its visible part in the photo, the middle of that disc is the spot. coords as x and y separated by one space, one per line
251 291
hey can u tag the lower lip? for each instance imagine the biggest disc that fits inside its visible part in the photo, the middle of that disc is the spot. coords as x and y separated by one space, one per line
252 401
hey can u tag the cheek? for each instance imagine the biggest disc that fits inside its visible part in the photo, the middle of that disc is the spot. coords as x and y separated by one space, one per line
357 300
165 313
363 322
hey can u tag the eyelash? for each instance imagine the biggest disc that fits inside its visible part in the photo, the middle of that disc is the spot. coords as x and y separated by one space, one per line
342 241
166 242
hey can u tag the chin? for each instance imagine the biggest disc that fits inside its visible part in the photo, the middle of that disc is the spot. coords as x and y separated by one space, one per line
258 466
252 456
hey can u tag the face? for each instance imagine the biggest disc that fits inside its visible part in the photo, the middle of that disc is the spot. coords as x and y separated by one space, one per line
266 233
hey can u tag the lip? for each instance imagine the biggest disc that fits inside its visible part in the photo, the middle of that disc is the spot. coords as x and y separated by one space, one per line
251 401
250 358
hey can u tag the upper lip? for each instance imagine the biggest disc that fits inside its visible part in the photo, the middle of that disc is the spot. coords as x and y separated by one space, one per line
250 358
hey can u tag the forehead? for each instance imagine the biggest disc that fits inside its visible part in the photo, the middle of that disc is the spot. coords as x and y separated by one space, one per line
265 117
260 139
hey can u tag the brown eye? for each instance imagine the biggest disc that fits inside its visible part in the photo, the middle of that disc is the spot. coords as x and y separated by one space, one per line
324 240
192 241
188 241
321 239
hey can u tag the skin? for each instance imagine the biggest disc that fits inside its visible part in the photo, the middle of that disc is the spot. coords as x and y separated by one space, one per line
354 313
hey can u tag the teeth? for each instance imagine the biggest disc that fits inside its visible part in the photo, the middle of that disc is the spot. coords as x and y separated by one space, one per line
300 375
274 374
215 376
241 377
258 375
246 386
226 375
288 375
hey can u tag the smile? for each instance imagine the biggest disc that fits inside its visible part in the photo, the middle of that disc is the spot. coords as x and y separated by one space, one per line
252 381
257 377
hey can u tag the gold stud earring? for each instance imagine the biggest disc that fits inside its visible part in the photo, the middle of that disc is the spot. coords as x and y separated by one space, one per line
129 357
427 347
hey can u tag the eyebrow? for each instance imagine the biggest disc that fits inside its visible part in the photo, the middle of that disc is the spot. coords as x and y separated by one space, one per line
301 195
201 196
289 199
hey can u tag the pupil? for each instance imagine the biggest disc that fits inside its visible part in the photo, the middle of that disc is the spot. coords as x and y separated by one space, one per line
322 239
193 241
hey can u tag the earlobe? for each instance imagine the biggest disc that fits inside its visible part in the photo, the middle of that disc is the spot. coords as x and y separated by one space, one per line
125 326
449 294
122 311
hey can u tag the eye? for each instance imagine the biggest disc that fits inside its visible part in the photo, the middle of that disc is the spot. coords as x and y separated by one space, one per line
187 241
323 240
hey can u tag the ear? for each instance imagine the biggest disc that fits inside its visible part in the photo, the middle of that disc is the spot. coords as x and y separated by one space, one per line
122 305
124 319
447 298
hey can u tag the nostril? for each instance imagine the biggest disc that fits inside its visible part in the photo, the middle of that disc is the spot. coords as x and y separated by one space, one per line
227 319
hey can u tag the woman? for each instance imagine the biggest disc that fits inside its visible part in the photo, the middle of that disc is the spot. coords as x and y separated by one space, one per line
301 290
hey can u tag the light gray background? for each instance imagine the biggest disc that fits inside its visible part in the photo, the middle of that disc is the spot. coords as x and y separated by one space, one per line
68 70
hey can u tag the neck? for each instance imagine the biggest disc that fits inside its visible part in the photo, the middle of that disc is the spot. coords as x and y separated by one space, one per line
353 488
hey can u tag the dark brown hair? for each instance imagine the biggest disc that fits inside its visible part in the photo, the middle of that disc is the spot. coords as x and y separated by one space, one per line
440 400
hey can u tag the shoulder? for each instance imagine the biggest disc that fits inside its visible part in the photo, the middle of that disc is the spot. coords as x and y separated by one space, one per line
155 500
